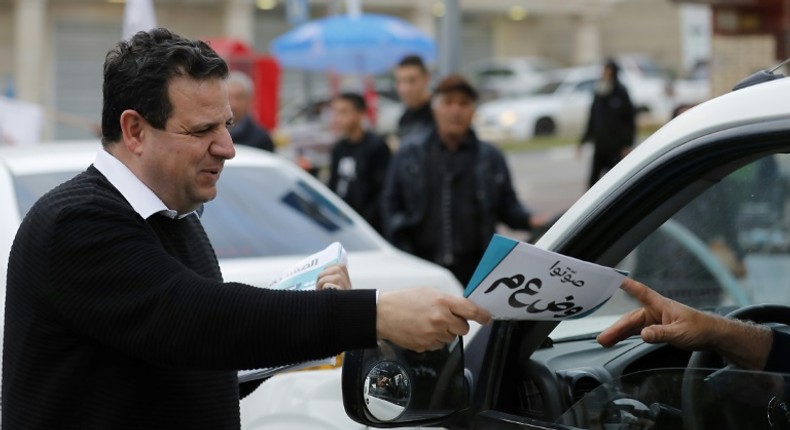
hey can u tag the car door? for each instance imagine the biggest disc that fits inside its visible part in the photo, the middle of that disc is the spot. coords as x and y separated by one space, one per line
730 183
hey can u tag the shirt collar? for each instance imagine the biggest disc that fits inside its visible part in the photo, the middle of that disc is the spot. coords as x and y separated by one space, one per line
144 201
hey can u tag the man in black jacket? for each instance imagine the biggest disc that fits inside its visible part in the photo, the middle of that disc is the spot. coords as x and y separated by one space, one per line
446 191
359 159
611 126
117 316
412 83
245 130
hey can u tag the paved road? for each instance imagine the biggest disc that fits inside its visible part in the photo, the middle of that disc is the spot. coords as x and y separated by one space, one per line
550 180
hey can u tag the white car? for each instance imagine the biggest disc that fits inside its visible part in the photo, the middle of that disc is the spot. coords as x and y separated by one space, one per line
676 213
267 216
693 88
497 77
562 105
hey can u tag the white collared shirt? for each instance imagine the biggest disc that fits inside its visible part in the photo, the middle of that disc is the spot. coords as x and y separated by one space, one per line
144 201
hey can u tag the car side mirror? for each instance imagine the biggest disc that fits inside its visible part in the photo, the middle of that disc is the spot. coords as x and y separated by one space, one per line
390 386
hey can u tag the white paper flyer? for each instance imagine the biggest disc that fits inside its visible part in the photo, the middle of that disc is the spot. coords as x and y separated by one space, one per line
518 281
302 276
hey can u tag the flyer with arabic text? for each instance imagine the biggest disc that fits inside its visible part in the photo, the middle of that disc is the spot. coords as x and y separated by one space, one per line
518 281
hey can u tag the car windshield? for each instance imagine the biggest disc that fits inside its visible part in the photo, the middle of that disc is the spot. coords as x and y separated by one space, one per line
684 398
548 88
258 212
730 245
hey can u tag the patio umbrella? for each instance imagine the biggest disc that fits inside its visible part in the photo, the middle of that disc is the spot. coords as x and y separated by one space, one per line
363 43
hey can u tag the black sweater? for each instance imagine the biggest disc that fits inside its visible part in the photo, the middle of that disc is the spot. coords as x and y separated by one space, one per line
116 322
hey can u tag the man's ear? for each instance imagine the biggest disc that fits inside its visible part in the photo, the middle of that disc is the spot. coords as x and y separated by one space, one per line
133 130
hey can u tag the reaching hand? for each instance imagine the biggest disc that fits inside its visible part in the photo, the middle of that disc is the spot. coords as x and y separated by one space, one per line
661 320
424 318
335 277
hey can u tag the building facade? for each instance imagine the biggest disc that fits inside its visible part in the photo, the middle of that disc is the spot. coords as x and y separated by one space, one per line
53 50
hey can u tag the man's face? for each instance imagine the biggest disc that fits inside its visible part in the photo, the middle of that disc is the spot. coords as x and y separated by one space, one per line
183 162
411 83
453 113
239 100
345 119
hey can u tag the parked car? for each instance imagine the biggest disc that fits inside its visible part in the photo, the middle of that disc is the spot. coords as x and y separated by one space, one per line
267 216
503 77
562 105
670 213
694 87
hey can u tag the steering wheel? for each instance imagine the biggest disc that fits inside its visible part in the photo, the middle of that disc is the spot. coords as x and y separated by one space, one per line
759 313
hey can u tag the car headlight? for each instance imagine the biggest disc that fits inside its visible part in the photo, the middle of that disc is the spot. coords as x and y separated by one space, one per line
508 118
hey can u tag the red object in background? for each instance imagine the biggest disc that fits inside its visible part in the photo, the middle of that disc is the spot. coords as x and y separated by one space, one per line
371 100
262 69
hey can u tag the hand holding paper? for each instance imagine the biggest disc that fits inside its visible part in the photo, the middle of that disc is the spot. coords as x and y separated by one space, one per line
334 277
424 319
517 281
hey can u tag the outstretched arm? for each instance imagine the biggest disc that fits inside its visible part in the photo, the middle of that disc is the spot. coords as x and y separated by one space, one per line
664 320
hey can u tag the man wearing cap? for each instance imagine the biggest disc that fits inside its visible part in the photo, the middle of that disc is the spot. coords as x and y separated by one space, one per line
446 191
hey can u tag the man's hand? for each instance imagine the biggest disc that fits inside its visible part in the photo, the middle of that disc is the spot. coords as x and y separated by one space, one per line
663 320
334 277
425 319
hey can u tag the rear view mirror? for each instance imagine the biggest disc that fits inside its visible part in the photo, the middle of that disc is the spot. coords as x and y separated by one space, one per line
390 386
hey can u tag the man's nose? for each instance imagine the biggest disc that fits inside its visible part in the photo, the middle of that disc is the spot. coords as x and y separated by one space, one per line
223 147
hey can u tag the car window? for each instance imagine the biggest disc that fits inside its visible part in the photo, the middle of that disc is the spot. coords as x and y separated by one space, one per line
258 212
728 246
549 87
585 86
31 187
495 73
261 211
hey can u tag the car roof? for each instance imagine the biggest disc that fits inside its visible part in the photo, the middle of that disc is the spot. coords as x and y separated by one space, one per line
77 155
759 103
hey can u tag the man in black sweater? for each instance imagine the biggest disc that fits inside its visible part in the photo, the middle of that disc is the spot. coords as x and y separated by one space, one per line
359 159
117 316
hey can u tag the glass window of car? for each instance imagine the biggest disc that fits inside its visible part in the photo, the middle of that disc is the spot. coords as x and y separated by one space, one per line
262 211
585 86
258 212
729 245
549 87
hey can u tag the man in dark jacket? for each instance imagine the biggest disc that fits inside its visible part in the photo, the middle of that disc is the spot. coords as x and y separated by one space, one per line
611 126
446 192
359 159
245 130
412 82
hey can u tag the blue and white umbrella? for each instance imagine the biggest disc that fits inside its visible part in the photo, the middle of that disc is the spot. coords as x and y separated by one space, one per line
361 43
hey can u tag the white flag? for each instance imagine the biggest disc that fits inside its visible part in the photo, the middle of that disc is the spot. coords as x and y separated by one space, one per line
20 122
138 16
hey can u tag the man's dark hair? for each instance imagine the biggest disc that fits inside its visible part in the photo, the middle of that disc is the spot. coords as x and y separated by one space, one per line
137 73
413 61
356 100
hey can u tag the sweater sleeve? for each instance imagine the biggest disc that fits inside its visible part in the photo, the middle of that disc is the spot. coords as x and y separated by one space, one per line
779 357
113 282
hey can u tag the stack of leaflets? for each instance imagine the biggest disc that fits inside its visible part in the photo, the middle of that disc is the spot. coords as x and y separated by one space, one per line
518 281
302 276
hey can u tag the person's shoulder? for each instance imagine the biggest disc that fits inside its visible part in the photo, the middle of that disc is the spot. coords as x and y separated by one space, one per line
88 189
